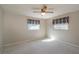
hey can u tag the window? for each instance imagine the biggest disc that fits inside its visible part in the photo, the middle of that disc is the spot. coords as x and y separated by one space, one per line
61 23
33 24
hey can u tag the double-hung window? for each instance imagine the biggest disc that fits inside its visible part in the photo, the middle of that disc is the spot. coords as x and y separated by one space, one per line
33 24
61 23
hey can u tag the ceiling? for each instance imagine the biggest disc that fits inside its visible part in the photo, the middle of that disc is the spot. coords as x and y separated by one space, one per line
27 9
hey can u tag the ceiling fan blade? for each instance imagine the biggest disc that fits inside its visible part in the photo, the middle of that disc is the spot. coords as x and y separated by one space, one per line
45 12
50 8
37 11
36 8
49 12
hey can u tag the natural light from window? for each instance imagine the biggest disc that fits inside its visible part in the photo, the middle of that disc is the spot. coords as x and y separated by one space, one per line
52 38
33 26
61 26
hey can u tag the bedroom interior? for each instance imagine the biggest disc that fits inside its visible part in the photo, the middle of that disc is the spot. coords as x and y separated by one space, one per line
39 28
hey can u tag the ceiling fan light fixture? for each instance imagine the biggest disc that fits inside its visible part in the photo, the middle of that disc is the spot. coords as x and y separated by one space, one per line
44 10
43 13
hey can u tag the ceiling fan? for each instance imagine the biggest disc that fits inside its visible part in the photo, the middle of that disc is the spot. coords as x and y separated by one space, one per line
43 10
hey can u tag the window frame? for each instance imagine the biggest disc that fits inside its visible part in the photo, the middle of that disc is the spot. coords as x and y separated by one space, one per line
33 24
62 23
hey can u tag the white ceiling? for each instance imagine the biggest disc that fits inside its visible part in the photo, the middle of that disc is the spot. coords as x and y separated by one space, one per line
27 9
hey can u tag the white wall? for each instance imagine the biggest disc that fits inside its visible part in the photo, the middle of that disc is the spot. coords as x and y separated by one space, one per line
72 35
15 29
1 18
